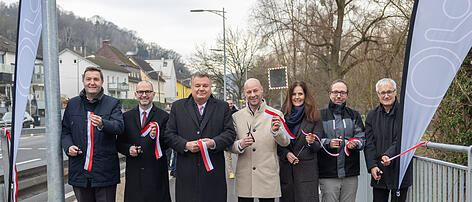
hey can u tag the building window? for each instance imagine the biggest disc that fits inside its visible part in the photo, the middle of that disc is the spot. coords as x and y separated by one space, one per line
165 64
1 59
108 79
112 79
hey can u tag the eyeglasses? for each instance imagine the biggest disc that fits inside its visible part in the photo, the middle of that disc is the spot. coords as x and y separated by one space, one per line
141 92
336 93
389 92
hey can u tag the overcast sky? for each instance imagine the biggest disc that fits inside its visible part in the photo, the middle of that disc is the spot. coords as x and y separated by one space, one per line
168 23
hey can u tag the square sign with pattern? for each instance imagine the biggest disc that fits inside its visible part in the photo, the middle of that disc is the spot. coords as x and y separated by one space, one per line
277 78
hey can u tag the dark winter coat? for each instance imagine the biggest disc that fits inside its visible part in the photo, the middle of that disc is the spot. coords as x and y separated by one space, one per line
383 137
105 164
194 183
300 182
146 178
349 124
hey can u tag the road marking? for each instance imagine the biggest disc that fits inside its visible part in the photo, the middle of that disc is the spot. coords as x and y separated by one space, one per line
24 148
42 148
29 161
69 194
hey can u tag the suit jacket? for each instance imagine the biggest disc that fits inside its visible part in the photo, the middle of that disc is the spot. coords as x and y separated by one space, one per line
193 182
300 182
146 177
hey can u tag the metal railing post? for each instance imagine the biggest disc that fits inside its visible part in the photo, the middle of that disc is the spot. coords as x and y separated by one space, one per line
469 175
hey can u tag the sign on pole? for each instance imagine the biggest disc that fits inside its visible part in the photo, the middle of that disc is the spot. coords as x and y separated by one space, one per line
277 78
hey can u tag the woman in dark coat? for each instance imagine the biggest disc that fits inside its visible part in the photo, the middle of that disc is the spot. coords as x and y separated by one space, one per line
298 161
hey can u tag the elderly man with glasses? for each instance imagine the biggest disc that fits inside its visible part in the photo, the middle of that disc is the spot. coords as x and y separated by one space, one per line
383 139
338 174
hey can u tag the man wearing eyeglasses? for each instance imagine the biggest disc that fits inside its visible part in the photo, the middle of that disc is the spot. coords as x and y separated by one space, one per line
146 174
383 139
338 175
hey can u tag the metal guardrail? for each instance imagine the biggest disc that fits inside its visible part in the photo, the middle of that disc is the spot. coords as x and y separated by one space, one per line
433 180
436 180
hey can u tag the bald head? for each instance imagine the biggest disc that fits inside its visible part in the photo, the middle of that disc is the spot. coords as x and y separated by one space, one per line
146 83
253 91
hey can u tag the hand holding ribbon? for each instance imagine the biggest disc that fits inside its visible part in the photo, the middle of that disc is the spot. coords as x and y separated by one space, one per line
148 129
206 157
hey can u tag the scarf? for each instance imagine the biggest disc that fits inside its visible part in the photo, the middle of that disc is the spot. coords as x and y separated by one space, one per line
295 118
336 108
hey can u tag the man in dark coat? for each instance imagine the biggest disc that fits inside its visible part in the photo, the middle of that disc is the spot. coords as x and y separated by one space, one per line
200 117
146 176
383 139
89 128
338 175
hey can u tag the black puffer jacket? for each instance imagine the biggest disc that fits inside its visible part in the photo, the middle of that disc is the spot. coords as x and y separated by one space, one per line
105 164
383 133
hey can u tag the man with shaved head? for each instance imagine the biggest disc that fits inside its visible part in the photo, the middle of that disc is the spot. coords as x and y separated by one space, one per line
257 171
146 173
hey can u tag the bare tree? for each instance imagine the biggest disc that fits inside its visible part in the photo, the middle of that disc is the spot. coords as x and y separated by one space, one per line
241 52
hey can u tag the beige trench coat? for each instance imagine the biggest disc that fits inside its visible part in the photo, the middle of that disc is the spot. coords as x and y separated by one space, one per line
257 170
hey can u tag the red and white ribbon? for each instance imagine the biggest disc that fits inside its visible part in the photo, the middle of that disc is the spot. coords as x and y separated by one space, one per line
89 156
346 150
319 140
15 176
205 155
146 131
408 150
284 126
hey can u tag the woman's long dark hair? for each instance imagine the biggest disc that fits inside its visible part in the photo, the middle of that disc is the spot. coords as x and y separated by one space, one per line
311 111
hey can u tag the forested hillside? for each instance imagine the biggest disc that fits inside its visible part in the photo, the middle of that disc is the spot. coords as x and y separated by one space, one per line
88 34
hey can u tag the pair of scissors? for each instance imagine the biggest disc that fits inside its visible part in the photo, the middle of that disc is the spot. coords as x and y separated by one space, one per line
250 133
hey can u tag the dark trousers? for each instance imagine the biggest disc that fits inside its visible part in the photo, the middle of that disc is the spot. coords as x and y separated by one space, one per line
171 165
95 194
241 199
381 195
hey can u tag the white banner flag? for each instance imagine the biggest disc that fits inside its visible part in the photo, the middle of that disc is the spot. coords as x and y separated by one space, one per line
29 32
440 38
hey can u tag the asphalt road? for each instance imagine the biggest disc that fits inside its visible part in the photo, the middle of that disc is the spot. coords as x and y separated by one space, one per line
32 153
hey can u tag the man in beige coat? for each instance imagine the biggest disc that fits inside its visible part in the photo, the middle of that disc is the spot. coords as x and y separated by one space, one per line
257 171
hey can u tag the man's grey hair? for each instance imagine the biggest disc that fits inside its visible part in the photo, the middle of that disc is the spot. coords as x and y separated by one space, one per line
385 81
200 75
148 82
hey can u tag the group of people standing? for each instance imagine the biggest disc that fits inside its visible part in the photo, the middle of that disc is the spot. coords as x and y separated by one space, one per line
290 154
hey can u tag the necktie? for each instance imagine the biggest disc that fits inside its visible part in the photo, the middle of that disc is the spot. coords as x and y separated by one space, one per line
144 120
200 109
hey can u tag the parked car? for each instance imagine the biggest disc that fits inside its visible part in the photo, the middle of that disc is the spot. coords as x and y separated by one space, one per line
28 121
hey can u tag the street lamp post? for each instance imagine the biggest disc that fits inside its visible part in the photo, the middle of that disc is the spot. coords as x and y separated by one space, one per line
222 14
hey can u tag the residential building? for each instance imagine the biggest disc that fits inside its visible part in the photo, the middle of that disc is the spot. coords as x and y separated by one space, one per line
36 101
155 77
183 90
72 65
117 57
166 67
